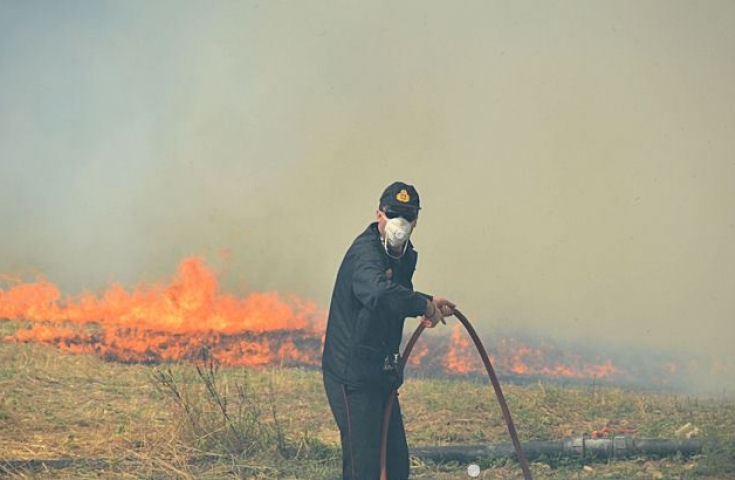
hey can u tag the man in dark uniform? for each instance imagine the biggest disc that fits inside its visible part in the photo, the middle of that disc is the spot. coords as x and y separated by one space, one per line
372 297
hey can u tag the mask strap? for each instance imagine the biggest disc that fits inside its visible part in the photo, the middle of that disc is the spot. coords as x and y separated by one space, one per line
387 249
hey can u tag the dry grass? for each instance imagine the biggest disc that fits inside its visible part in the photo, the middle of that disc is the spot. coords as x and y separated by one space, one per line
57 405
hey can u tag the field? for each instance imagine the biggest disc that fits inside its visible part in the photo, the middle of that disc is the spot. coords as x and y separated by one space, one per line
110 420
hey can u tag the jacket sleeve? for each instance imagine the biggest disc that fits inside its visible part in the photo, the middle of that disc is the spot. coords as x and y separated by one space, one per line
426 296
373 289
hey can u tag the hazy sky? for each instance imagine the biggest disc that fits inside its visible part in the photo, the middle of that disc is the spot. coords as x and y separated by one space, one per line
576 159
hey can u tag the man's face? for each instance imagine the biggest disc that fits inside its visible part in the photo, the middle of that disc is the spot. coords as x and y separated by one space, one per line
385 213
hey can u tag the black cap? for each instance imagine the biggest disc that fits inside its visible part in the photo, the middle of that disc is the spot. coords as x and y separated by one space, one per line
402 195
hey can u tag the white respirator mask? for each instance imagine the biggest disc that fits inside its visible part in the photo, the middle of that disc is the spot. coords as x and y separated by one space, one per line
397 232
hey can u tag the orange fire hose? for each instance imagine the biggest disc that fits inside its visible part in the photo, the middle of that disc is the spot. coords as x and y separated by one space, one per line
496 385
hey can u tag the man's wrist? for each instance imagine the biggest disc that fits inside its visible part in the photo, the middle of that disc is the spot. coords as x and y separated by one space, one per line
430 309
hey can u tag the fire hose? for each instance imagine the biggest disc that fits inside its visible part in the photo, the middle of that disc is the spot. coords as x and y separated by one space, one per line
496 385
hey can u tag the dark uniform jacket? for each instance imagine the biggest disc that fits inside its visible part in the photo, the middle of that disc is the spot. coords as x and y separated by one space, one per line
372 297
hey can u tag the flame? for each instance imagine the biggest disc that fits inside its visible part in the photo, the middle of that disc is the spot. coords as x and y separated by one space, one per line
460 358
189 318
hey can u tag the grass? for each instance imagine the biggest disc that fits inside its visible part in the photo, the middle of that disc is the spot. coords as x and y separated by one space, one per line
200 421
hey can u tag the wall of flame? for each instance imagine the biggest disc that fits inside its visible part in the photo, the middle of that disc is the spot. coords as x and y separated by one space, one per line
189 319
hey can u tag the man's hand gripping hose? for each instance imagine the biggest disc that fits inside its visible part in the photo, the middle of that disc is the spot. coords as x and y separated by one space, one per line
493 378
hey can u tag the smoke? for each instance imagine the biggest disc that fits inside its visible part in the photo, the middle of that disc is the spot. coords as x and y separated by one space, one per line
575 161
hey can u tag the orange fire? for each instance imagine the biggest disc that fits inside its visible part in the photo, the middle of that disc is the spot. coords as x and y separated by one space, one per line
460 357
187 317
190 318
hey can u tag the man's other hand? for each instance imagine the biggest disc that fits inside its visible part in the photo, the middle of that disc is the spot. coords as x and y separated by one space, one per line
432 316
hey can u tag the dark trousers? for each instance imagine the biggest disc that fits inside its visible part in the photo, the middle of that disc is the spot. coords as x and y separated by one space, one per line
359 416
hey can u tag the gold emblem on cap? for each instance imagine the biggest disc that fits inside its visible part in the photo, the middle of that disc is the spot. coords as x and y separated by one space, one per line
403 196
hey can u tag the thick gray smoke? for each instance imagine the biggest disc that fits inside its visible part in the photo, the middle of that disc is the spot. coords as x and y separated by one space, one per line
576 161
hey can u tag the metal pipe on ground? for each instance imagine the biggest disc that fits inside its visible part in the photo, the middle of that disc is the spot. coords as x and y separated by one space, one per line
576 447
583 448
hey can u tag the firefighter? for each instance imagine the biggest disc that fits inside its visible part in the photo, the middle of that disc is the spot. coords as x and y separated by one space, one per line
373 294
